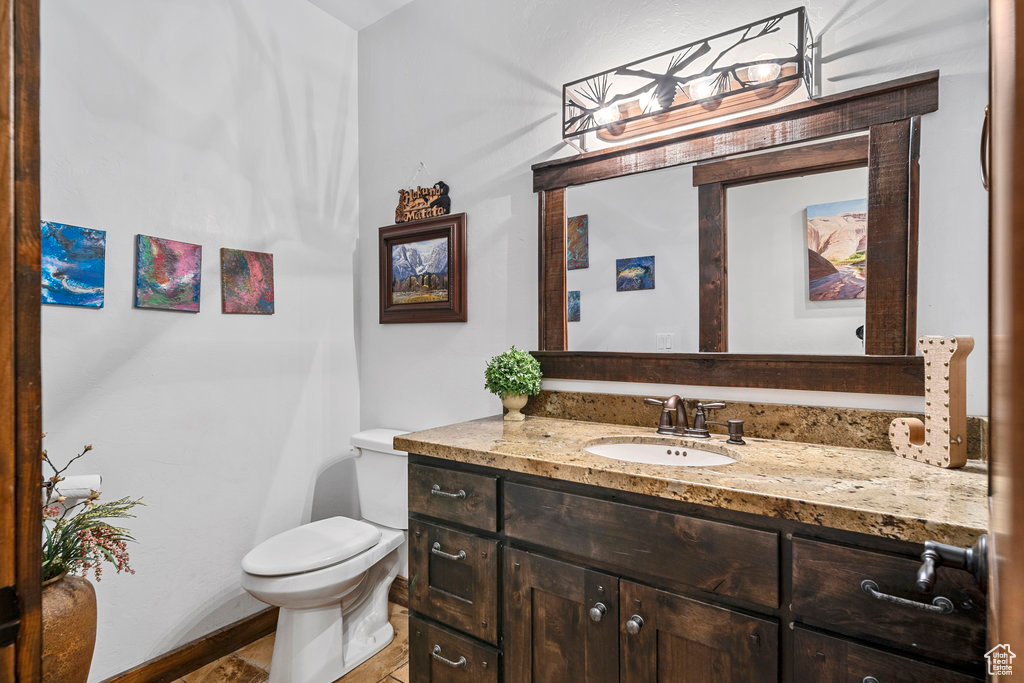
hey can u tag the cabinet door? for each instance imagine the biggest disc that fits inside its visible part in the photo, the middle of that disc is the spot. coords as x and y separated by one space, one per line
561 622
666 637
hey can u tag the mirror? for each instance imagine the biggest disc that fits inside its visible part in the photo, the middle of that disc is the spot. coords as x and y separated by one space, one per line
795 250
644 228
875 129
797 262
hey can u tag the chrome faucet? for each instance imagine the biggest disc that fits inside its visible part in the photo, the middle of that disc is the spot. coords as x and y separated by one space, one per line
670 404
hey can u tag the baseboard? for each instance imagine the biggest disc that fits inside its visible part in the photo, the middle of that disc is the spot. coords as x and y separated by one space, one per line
183 660
399 593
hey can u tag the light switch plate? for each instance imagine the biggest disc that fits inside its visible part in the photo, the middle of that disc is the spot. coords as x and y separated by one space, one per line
664 340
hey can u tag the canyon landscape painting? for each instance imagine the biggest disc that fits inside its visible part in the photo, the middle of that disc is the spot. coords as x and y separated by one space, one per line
419 271
837 239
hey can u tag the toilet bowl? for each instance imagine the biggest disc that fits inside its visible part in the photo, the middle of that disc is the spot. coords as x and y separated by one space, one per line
331 577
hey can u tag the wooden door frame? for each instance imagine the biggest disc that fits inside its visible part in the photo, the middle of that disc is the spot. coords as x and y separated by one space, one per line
20 389
1006 326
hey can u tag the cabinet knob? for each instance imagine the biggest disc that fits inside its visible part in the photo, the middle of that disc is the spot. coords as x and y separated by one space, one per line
634 624
597 612
869 679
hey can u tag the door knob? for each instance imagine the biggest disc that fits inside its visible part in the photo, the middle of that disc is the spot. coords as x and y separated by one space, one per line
634 624
597 612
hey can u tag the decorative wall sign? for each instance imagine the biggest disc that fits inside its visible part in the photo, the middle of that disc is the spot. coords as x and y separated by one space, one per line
246 281
634 273
73 265
940 440
167 274
577 243
573 306
423 271
423 202
837 242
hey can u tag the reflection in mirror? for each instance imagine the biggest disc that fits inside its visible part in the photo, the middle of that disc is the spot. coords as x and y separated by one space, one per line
796 250
621 299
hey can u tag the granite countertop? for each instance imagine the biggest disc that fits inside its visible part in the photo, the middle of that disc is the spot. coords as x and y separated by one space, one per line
865 491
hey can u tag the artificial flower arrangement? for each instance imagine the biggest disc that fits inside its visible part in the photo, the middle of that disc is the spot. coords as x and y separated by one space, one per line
77 538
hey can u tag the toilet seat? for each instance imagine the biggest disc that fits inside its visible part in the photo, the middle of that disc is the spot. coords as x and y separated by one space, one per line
311 547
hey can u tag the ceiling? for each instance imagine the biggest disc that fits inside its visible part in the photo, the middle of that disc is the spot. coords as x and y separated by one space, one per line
359 14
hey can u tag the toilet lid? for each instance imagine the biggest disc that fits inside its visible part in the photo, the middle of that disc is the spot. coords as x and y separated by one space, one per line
311 546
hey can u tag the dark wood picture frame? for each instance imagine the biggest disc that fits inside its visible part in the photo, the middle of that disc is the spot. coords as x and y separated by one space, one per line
454 310
890 114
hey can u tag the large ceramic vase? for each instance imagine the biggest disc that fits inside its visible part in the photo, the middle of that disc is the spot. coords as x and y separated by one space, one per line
514 403
69 629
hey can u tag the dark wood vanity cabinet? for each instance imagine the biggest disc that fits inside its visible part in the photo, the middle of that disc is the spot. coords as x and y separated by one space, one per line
519 578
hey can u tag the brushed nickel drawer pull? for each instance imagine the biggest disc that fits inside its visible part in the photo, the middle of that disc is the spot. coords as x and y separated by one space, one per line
435 490
940 605
436 654
436 550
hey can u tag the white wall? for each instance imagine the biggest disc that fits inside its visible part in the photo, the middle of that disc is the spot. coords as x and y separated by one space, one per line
225 123
638 215
473 89
769 307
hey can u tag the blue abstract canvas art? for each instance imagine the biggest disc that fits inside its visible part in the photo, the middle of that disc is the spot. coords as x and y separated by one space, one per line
573 306
73 260
634 273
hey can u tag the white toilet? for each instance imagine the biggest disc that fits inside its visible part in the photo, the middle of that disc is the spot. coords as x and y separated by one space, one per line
331 577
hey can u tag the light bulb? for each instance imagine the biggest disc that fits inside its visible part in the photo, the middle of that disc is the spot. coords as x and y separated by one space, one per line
702 88
606 115
648 103
763 73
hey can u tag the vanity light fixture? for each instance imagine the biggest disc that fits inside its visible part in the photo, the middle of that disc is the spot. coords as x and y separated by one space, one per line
746 67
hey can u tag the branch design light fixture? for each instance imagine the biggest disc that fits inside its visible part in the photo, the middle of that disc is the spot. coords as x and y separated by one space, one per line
748 66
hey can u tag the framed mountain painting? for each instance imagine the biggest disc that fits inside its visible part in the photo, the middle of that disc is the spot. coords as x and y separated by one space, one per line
423 271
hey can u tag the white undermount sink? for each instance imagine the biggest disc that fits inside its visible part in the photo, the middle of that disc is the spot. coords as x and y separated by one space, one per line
659 454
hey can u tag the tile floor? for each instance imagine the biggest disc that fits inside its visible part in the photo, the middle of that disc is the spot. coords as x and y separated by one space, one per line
251 664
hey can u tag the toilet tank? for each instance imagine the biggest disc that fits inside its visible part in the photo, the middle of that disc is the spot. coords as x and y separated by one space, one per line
382 477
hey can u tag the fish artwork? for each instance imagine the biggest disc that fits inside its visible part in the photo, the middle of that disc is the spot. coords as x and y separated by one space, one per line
635 273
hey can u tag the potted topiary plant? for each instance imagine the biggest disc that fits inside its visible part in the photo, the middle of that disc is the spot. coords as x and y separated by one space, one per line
513 376
76 540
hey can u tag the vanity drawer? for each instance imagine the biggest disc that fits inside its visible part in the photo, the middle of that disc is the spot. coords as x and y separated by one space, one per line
453 577
828 592
659 547
436 654
461 497
822 658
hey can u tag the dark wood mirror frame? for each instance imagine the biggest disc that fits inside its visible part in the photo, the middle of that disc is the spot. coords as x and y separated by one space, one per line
890 114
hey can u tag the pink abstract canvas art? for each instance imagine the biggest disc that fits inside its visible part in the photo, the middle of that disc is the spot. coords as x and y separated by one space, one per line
167 274
246 281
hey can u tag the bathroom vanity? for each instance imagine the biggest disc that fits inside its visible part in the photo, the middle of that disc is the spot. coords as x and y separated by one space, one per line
533 560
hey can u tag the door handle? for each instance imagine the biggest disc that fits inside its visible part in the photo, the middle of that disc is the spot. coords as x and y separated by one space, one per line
436 550
985 132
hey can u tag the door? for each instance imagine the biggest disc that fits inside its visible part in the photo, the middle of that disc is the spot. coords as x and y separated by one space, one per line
561 622
1006 294
20 425
666 637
